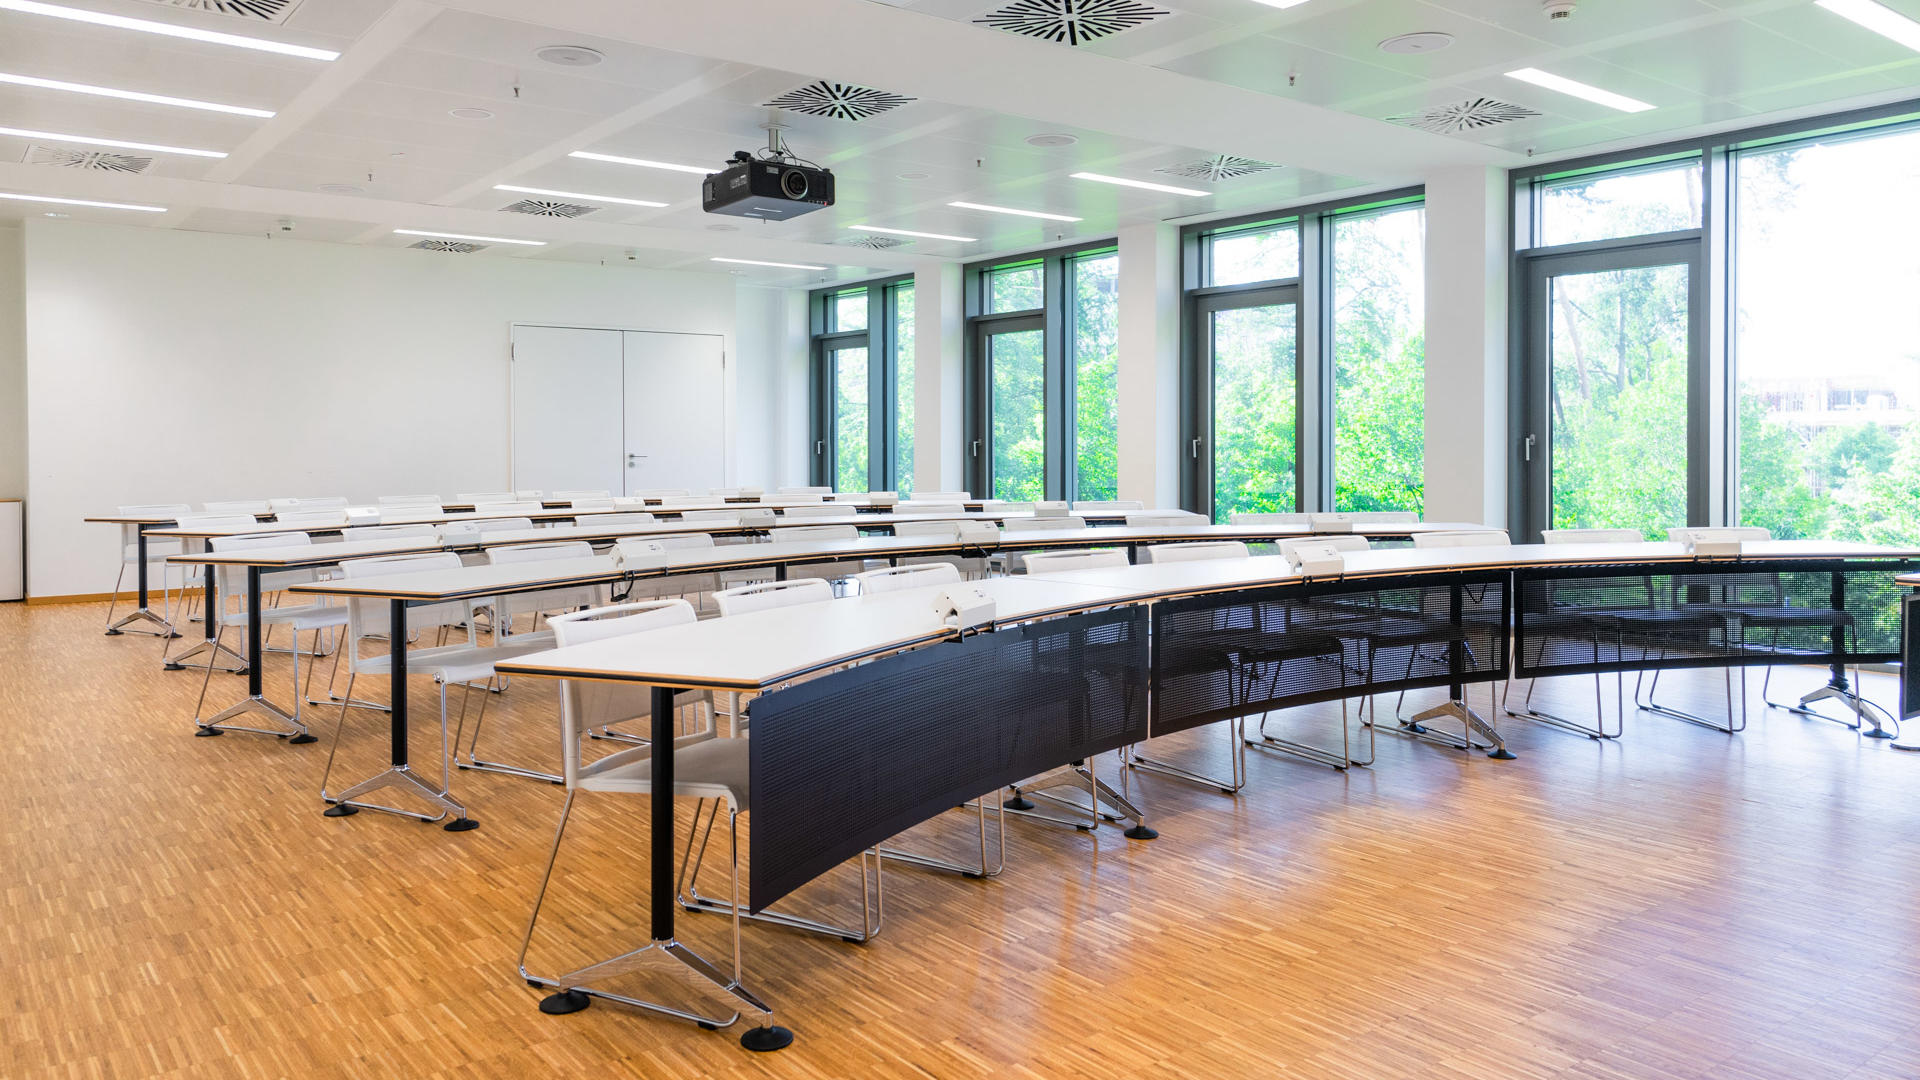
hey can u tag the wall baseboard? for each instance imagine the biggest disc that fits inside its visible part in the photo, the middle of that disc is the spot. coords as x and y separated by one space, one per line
75 598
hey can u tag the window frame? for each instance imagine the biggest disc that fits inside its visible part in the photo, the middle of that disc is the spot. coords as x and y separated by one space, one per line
1054 319
878 337
1312 291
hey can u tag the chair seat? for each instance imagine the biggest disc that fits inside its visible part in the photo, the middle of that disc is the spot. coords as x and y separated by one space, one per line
704 767
157 550
476 665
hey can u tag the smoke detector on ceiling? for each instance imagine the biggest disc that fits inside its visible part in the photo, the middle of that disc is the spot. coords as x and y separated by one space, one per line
1424 41
470 114
1050 141
1555 10
570 55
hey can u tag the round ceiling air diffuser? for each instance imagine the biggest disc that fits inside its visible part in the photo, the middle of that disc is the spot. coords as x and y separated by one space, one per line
570 55
1425 41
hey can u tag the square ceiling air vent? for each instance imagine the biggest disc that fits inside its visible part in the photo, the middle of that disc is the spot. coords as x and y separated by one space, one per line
97 160
457 246
1071 22
550 208
1218 167
273 11
875 243
840 101
1462 116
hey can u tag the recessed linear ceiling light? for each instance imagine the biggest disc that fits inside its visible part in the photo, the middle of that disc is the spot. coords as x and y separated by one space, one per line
121 144
1011 210
82 202
464 236
758 262
132 95
148 26
1580 90
1878 18
577 195
641 162
910 232
1141 184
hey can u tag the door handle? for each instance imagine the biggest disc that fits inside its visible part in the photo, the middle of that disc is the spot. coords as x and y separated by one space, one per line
631 458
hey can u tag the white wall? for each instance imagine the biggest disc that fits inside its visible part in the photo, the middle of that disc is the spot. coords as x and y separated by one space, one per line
770 376
1466 394
1149 364
13 368
171 366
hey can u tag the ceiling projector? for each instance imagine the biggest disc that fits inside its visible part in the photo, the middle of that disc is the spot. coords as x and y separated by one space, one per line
772 186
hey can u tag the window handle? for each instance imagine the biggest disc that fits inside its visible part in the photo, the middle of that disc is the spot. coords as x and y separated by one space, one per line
1526 450
976 448
1194 450
819 446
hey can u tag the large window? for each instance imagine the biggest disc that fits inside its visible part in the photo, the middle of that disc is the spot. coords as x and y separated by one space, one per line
863 363
1379 360
1724 333
1827 338
1303 375
1042 384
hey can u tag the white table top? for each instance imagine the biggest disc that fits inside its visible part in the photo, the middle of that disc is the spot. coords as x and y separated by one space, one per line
764 648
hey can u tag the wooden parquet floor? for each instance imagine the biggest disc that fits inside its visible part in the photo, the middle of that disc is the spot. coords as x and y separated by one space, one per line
1679 905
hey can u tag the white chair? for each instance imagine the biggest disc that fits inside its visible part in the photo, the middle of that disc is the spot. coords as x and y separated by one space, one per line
238 506
834 570
1043 524
802 499
1207 549
895 578
312 520
684 499
1045 508
1591 536
521 506
316 617
546 601
1683 534
1108 506
604 503
771 594
618 519
824 510
711 517
805 490
389 532
1302 520
466 664
662 493
928 506
573 494
1043 562
421 502
1462 538
475 498
1158 518
157 553
943 496
948 531
605 704
324 502
500 524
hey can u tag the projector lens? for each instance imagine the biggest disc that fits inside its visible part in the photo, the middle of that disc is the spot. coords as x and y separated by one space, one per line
793 184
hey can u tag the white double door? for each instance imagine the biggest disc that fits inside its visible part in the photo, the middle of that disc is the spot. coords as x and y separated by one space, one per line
623 410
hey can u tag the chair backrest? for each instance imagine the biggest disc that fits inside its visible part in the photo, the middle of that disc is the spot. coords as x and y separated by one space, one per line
684 499
311 518
895 578
808 490
1151 518
821 511
943 496
524 553
633 546
1210 549
409 500
216 521
477 497
661 493
927 506
1591 536
585 705
971 531
237 506
815 532
233 579
389 532
941 530
597 502
580 493
771 594
522 506
624 517
259 541
1686 534
1039 524
369 615
499 524
1383 517
808 498
1054 508
1109 505
323 502
1271 518
1040 562
1339 542
1462 538
158 510
712 517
